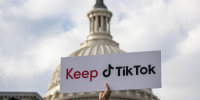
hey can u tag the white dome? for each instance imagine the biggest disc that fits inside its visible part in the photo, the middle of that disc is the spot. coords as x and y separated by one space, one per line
89 47
99 42
95 47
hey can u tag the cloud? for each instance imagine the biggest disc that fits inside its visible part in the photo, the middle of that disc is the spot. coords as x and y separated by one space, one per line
37 60
32 45
153 24
180 74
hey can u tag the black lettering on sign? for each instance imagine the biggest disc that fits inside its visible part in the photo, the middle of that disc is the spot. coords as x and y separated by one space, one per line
118 68
151 69
128 71
108 71
137 68
124 71
143 70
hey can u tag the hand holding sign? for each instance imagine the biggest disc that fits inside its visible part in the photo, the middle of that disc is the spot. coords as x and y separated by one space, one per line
104 95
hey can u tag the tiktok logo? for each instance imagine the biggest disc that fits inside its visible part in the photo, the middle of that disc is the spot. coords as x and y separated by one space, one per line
108 71
130 71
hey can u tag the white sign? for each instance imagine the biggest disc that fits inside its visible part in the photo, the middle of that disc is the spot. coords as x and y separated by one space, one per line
123 71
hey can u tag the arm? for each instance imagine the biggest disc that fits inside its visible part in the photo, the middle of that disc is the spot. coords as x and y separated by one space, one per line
104 95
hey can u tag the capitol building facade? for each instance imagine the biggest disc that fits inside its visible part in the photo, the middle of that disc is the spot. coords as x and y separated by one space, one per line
98 42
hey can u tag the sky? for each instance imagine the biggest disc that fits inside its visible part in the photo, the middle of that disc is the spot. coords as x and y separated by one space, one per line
35 34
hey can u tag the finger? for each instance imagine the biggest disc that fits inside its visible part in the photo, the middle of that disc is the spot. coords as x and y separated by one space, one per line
107 87
100 94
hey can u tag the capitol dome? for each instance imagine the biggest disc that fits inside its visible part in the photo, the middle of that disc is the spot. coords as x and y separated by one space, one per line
99 42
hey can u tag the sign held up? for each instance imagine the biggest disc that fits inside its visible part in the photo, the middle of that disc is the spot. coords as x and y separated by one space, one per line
137 70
